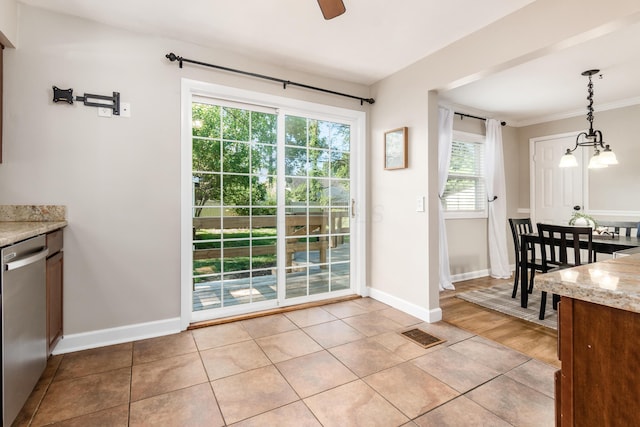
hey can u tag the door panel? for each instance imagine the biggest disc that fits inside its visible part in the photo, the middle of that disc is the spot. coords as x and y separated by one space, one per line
317 173
556 190
234 220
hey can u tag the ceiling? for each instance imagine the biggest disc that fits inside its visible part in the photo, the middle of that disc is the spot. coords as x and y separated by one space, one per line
376 38
552 87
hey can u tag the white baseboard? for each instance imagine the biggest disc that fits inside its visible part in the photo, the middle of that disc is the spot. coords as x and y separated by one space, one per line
421 313
111 336
122 334
475 274
469 275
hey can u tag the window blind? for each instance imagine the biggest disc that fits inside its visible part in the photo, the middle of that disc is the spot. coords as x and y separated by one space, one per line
465 188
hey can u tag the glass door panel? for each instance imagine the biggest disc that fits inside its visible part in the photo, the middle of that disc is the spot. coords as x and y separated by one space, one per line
316 201
234 206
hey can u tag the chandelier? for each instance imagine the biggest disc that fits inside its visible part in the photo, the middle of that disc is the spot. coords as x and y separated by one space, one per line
603 156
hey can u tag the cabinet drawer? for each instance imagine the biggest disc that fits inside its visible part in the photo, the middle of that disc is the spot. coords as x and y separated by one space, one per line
54 242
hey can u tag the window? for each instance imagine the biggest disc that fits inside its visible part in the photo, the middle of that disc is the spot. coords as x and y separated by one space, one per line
465 195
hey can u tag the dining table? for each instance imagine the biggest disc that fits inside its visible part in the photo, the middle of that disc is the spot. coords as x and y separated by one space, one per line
604 244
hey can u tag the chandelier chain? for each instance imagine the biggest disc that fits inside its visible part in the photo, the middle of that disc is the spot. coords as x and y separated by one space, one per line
590 106
592 138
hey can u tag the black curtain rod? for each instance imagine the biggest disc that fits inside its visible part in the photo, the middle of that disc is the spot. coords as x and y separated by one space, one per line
462 115
173 57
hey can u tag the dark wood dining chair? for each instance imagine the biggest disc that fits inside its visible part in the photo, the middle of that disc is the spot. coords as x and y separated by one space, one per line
616 227
521 226
557 242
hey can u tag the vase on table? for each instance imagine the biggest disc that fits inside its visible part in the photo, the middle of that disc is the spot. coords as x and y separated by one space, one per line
584 222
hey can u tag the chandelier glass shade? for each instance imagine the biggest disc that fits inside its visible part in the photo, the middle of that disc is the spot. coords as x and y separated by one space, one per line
603 156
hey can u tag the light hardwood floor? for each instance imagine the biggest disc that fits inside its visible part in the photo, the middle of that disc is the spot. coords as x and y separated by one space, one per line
526 337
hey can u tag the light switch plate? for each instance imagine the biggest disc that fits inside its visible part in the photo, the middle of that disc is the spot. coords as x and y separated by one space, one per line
420 204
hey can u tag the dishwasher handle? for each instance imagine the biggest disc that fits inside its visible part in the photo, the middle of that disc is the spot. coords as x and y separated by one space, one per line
23 262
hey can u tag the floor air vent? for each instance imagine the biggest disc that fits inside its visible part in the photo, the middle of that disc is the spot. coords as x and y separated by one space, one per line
422 338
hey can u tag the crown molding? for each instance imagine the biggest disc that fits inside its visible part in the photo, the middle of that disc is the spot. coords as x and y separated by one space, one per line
575 113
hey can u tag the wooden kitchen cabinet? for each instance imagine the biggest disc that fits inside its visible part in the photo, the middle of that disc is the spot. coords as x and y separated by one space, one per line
55 262
599 381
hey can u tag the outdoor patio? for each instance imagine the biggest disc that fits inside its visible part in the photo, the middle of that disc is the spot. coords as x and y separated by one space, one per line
303 278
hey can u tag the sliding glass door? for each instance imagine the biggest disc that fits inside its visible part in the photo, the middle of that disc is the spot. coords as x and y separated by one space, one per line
270 207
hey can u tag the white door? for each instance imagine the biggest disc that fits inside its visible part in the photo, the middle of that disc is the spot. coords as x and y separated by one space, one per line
555 191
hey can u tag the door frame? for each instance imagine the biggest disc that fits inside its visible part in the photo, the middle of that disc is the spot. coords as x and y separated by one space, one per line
191 88
532 176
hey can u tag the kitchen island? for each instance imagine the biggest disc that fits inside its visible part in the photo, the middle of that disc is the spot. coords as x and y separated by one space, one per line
598 333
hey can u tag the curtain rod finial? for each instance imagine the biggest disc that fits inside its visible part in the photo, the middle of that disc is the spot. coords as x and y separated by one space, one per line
172 57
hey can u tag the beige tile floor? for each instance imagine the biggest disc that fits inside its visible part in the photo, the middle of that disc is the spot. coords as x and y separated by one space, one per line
343 364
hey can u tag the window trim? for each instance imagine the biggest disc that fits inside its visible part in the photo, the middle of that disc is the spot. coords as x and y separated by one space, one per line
484 214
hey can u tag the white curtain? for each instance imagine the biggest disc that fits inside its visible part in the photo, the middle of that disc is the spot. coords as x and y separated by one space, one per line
445 135
497 196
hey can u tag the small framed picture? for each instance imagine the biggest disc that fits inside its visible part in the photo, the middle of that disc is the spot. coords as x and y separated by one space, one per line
395 149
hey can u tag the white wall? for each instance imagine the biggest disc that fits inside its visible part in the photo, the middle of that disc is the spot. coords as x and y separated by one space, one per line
119 177
399 235
405 267
8 20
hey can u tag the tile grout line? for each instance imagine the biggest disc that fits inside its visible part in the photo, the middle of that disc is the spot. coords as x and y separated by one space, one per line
209 380
37 408
364 338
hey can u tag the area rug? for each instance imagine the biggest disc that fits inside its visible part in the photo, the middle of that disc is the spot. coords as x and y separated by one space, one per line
498 298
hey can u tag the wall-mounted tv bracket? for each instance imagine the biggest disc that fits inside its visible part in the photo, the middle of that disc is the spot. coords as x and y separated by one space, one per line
66 95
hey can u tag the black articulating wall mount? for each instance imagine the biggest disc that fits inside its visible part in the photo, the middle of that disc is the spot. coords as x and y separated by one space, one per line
66 95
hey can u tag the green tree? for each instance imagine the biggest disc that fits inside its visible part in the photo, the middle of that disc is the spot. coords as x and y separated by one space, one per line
234 158
223 142
325 154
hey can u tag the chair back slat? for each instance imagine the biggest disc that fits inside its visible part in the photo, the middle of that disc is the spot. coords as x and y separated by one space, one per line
519 226
557 242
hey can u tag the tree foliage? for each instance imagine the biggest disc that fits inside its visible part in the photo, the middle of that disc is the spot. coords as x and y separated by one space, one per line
324 156
234 159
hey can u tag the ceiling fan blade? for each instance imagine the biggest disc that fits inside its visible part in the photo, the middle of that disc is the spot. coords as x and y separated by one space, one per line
331 8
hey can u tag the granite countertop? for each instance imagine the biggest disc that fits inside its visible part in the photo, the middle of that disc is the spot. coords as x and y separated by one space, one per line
20 222
612 283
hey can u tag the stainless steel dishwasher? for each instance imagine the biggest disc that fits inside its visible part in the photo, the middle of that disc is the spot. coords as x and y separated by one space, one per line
24 322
